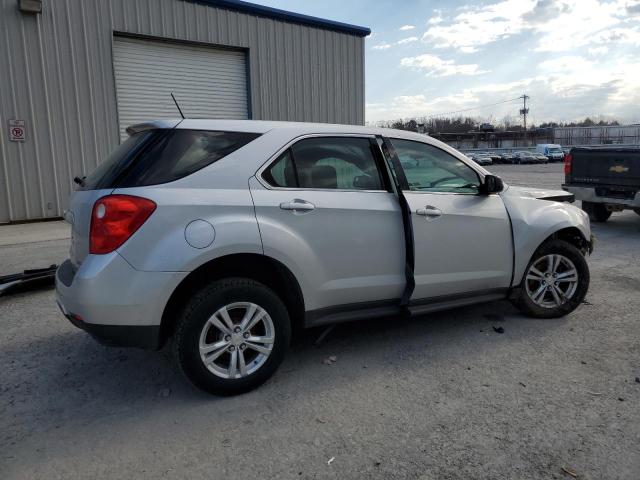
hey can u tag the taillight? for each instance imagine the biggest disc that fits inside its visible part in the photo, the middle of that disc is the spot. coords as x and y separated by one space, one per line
114 219
567 164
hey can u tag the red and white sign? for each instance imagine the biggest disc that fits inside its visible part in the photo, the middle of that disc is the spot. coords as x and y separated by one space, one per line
17 130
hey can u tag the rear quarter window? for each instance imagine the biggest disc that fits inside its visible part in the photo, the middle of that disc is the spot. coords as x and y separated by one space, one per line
163 156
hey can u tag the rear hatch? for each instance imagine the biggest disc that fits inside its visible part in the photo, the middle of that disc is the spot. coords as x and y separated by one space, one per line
150 156
93 187
605 166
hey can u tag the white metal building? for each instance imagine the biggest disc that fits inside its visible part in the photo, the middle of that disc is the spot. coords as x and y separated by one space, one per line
75 73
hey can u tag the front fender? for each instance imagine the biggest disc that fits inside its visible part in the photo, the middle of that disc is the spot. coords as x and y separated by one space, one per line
533 221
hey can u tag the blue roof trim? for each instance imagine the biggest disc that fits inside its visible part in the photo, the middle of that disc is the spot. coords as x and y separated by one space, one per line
278 14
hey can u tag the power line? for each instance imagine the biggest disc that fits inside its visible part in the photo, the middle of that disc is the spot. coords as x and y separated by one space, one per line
473 108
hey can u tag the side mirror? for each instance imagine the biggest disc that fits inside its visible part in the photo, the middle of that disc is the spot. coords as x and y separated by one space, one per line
492 184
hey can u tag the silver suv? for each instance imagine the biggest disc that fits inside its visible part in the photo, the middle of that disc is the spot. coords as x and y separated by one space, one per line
225 236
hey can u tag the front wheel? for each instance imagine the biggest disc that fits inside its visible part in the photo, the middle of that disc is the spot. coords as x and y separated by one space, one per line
555 282
232 336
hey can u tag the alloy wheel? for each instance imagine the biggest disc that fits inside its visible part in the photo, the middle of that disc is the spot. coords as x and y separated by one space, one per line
551 281
237 340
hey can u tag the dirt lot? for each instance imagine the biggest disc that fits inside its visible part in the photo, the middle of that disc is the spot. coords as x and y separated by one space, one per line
439 397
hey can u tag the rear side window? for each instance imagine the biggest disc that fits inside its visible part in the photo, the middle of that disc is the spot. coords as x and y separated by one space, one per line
327 163
162 156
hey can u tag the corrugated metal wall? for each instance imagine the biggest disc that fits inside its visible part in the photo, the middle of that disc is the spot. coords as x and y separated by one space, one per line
57 74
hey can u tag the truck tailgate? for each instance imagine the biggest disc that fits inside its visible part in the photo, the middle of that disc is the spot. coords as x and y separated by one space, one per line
606 166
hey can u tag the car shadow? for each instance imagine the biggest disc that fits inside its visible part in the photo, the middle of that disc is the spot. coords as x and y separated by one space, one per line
68 377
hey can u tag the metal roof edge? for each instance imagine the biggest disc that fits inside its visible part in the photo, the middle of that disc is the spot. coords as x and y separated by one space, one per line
284 15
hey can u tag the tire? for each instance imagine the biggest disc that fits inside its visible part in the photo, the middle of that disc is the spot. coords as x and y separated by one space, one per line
547 305
194 329
597 211
637 210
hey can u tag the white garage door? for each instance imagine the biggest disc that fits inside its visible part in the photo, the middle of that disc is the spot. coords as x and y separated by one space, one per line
208 82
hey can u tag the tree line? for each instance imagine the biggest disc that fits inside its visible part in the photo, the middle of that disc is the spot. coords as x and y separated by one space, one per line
466 124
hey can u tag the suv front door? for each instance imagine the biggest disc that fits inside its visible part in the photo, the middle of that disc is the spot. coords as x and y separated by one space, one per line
462 238
325 211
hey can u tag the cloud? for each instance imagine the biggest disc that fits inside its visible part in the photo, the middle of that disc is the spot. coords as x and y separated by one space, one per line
479 25
545 10
595 51
437 67
405 28
633 8
407 40
553 25
381 46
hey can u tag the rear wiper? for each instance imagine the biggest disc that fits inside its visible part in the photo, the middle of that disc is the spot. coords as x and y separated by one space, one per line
79 180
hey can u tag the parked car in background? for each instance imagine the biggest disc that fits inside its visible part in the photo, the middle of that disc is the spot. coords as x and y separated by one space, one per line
482 159
552 151
605 179
524 157
507 158
541 158
225 236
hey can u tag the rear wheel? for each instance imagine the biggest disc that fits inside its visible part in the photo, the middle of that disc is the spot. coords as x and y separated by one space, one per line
597 211
555 282
232 336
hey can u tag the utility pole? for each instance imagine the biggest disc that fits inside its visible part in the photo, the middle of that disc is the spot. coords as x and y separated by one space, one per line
524 111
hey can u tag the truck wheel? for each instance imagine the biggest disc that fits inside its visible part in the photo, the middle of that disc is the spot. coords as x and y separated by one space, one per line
555 282
232 336
597 211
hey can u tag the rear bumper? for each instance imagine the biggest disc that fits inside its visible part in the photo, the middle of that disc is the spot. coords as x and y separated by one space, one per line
588 194
113 302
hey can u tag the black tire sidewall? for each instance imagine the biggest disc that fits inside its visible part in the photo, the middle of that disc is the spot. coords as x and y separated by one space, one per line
597 211
200 309
524 303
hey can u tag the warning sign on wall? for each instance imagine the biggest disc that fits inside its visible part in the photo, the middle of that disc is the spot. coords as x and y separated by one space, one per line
17 130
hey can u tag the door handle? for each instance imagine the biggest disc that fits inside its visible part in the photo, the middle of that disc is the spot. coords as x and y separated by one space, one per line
430 212
298 205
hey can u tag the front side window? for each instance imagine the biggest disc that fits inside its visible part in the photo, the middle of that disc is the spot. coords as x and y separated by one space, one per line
327 163
430 169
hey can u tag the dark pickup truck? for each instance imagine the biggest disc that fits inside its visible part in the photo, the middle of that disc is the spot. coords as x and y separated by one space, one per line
605 179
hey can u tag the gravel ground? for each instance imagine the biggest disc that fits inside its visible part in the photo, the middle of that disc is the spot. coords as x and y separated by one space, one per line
439 397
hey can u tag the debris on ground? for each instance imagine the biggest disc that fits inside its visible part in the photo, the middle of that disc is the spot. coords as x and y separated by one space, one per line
595 393
498 329
319 420
331 460
522 384
165 392
621 399
330 360
570 471
637 379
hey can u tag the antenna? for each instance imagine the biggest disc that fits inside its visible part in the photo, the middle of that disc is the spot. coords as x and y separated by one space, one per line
178 106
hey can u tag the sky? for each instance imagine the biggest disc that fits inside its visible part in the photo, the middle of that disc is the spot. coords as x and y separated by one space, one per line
574 58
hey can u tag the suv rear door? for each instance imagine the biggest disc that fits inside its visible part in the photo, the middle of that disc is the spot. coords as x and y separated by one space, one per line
463 242
326 211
